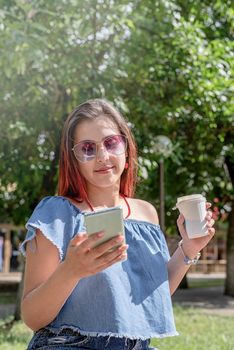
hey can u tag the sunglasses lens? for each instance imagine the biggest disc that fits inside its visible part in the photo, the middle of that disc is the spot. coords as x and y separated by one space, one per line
115 144
85 151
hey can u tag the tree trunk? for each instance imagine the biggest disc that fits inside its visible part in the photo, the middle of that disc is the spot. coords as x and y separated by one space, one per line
229 284
49 183
17 314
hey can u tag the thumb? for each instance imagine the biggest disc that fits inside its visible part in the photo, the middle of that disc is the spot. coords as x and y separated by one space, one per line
78 238
180 224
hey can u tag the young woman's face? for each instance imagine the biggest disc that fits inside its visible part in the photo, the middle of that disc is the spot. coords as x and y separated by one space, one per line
103 169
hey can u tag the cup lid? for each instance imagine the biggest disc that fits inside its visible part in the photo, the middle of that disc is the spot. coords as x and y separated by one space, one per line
190 197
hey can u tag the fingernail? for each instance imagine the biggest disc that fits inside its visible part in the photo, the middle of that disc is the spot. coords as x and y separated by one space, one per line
119 239
122 248
100 234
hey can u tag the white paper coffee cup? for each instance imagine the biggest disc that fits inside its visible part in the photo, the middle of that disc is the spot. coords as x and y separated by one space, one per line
193 207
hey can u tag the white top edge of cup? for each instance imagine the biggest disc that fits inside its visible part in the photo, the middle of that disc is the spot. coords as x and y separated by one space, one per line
190 197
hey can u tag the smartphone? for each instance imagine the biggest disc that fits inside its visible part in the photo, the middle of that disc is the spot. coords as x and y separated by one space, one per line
109 220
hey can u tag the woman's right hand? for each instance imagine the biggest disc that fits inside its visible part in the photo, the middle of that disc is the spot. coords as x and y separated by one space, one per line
84 261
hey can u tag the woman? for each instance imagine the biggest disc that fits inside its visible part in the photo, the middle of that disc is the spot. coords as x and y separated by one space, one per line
76 296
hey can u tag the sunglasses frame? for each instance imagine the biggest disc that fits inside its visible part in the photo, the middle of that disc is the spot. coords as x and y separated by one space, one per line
100 142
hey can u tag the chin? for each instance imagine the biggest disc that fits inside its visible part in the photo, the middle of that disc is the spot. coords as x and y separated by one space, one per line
106 182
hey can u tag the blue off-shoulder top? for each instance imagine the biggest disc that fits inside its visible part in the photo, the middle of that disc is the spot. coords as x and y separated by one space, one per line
130 298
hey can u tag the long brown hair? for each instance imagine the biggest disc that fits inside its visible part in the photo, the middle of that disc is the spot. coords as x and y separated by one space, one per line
70 182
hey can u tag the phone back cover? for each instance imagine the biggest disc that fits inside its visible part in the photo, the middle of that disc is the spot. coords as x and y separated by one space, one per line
108 220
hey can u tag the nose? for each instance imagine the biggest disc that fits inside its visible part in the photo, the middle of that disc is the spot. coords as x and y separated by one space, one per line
102 154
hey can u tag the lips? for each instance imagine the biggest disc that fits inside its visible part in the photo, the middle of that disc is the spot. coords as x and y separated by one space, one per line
104 169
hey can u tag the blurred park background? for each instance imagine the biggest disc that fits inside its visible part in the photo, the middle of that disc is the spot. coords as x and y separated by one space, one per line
168 66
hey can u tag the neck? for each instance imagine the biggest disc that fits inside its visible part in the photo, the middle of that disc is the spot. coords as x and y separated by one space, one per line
104 197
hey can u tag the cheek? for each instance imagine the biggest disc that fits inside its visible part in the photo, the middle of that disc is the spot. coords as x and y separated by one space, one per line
121 163
84 169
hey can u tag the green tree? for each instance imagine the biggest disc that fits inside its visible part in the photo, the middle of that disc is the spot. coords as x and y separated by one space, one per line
178 65
168 65
53 56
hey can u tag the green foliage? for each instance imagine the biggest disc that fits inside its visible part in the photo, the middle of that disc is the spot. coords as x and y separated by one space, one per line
167 65
179 82
53 55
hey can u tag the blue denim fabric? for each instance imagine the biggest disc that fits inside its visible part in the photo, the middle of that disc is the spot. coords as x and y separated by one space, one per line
130 299
67 339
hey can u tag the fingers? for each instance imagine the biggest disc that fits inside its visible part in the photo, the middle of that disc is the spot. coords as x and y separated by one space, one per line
104 247
87 245
180 219
107 259
210 223
180 224
85 242
208 205
89 242
210 220
209 215
211 231
78 239
117 255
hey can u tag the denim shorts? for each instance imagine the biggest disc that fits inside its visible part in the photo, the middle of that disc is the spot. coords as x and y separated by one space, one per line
67 339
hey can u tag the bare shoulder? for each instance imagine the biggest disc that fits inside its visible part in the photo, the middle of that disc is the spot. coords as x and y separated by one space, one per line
143 210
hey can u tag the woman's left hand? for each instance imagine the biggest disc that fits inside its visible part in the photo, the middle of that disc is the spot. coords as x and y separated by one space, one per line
193 246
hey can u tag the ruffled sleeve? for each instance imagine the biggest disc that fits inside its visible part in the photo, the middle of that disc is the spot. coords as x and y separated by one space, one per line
57 219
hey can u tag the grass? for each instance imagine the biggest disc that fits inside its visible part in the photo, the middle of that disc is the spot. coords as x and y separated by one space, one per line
204 283
14 335
10 297
7 298
198 331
